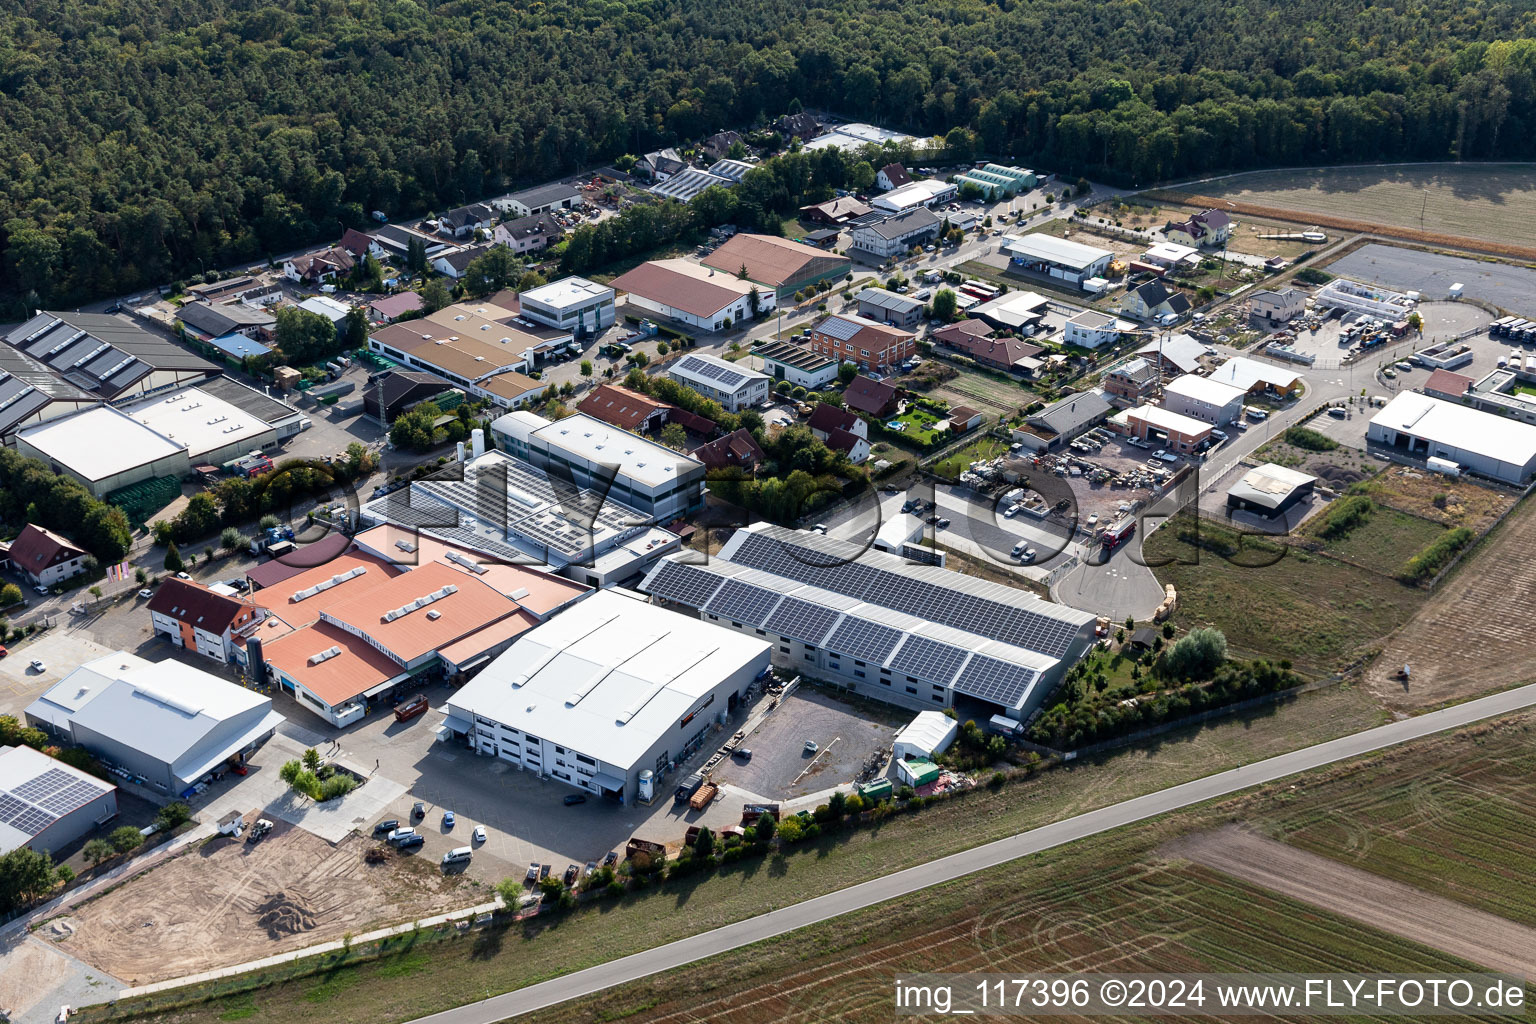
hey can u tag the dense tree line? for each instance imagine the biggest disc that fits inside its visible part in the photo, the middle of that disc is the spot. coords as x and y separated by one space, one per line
31 492
139 142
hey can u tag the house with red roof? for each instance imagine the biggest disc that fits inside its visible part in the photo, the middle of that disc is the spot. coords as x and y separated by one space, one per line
191 615
874 397
738 448
44 557
841 431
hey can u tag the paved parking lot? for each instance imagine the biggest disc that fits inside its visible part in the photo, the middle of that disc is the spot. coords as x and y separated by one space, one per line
1512 288
782 769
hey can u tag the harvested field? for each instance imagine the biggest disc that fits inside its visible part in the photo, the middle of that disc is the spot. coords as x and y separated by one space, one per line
231 901
1471 636
1473 935
1455 824
1493 202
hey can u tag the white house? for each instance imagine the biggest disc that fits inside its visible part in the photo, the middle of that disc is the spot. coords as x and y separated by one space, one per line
1201 398
734 387
1090 329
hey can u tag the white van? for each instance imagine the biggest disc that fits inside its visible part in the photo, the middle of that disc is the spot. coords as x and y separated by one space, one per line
458 856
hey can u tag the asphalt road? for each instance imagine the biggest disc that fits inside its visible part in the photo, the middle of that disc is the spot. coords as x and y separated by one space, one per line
946 869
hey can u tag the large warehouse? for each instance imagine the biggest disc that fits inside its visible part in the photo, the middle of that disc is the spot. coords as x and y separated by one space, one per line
167 725
1480 442
701 298
914 635
593 700
45 804
777 263
1072 262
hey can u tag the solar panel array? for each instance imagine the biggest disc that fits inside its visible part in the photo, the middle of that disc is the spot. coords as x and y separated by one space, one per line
839 327
742 602
801 620
928 659
685 584
864 640
727 377
40 801
925 599
994 680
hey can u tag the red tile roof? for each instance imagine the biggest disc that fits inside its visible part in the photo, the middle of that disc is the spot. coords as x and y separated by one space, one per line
196 605
871 396
36 548
621 407
738 448
355 242
697 296
828 418
1446 382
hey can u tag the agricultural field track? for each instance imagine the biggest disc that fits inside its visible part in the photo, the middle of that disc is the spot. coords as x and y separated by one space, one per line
1473 935
1471 635
1484 208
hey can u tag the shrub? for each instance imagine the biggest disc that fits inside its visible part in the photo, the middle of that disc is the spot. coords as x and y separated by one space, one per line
64 873
173 815
1345 515
1196 655
1311 440
792 829
1311 275
125 839
1436 555
98 850
337 785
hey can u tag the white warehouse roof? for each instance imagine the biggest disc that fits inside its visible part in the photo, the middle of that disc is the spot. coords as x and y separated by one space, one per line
1204 390
1245 373
78 442
930 733
1167 419
610 678
1051 249
1458 426
567 293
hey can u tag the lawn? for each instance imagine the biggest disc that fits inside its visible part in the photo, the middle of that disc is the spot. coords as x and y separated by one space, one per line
1280 602
1383 542
436 971
920 423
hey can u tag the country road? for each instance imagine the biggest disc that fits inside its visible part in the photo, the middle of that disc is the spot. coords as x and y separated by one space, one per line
946 869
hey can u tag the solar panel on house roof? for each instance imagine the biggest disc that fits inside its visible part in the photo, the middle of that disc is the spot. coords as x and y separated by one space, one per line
994 680
711 371
839 328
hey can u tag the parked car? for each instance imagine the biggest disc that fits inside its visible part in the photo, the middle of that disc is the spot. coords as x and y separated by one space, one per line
573 799
387 825
611 858
40 589
943 524
532 875
572 872
418 810
742 754
38 666
4 650
1093 517
1012 511
1337 412
400 833
411 841
146 593
478 835
183 576
544 871
811 746
448 819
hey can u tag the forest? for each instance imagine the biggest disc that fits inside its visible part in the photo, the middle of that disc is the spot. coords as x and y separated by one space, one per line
143 141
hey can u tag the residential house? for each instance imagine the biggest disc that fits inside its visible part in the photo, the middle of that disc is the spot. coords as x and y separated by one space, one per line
892 176
1277 305
205 322
466 220
392 307
625 409
455 262
800 126
1448 384
661 164
528 234
1208 228
737 449
1090 329
356 243
44 557
954 334
319 267
191 615
1201 398
883 236
1153 300
393 242
874 397
734 386
718 146
1174 354
866 343
836 211
1011 355
841 431
1063 420
1133 382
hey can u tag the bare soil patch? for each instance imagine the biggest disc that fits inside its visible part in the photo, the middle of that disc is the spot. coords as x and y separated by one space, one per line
1390 906
231 901
1471 636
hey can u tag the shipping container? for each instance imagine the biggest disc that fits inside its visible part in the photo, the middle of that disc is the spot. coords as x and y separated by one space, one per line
701 799
874 792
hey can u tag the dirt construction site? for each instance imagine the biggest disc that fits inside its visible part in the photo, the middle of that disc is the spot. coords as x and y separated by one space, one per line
229 901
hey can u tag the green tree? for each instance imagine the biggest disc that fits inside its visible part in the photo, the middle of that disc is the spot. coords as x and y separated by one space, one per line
304 337
704 843
25 875
492 270
416 256
173 562
312 760
126 839
354 329
845 373
10 594
945 304
98 850
172 816
586 367
674 436
229 539
1195 655
435 295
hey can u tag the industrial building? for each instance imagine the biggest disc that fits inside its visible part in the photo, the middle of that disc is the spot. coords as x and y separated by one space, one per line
1479 442
1174 430
927 736
734 387
166 725
777 263
889 307
798 364
1013 311
609 701
481 354
1253 376
1270 491
914 635
571 304
400 391
639 474
1059 423
542 199
1201 398
196 618
914 194
685 185
687 293
1057 258
46 804
106 356
883 235
540 519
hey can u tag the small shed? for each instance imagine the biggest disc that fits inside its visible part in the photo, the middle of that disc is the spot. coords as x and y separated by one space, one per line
1144 639
917 773
929 734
